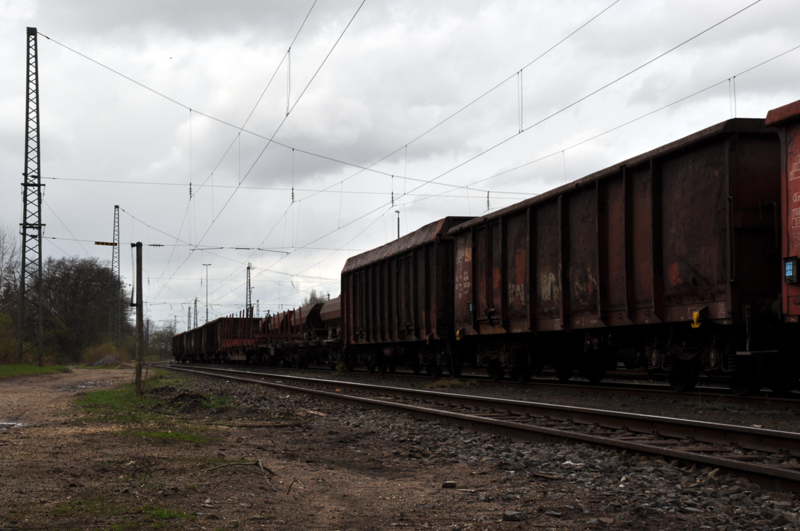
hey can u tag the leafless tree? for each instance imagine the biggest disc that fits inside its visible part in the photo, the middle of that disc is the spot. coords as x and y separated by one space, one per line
9 269
76 299
314 298
9 275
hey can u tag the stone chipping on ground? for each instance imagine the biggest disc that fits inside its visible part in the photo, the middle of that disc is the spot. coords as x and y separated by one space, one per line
575 483
270 459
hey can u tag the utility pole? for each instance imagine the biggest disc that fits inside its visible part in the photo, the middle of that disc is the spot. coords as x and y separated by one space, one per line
195 312
206 266
115 313
398 223
30 278
189 319
139 319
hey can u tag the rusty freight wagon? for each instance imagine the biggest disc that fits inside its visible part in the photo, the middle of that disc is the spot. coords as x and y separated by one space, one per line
397 302
671 260
233 337
308 331
331 316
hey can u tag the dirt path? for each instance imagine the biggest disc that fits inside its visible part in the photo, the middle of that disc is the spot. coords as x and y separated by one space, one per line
209 455
44 398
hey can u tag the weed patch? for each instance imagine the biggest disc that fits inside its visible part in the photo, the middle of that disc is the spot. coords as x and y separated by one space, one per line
155 415
8 371
145 517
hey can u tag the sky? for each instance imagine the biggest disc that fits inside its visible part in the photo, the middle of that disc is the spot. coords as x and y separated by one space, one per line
290 135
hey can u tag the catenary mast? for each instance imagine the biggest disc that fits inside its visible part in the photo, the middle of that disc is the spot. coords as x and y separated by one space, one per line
30 290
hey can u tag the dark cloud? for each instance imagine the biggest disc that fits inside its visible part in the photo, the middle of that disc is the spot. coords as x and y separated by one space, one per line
401 69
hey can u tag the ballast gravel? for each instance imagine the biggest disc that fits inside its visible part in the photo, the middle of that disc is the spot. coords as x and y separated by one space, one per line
555 486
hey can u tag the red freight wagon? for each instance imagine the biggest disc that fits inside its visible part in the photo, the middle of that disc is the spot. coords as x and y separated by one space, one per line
306 322
669 260
397 302
331 316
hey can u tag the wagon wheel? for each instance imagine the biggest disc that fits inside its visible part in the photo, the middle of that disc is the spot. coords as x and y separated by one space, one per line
495 371
391 366
781 374
564 371
779 382
433 370
537 366
683 377
595 374
454 365
521 374
744 382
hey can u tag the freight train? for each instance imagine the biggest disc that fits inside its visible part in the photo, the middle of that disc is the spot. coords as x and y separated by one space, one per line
680 261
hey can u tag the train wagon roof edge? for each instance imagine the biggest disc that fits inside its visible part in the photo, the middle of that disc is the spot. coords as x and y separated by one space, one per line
783 114
421 236
734 125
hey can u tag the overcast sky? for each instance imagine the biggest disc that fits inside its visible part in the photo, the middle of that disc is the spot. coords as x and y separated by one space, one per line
141 100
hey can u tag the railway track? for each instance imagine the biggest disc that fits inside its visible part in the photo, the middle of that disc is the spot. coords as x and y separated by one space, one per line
714 394
768 457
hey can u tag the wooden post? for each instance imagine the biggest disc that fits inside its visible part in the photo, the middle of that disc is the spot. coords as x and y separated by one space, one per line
139 319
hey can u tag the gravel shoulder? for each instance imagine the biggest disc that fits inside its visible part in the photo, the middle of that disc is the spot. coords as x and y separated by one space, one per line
264 459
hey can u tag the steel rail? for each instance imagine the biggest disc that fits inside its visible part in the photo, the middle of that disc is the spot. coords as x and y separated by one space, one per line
645 434
608 388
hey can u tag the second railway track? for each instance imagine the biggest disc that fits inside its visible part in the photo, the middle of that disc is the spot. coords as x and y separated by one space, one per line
768 457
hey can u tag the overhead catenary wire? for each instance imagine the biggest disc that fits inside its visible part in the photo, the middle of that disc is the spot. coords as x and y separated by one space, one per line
437 183
587 96
638 68
340 226
370 167
634 120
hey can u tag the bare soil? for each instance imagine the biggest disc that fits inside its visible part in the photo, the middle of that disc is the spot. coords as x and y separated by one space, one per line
268 460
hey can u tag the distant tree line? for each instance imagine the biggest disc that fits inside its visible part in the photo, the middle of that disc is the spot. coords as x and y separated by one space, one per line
76 303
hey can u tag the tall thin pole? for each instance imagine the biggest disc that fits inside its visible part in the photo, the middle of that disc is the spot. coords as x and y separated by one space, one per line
30 278
115 315
206 266
248 295
398 223
139 319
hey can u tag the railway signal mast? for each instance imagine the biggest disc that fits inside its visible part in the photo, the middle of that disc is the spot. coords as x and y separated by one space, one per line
30 292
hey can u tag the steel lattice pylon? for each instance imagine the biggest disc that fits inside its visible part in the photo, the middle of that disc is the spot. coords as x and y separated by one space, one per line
115 313
30 292
247 298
